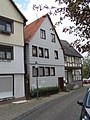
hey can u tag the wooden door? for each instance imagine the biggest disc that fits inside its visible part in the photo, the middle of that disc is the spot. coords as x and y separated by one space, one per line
61 83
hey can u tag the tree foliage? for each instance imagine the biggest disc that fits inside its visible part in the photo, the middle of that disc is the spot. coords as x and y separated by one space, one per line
78 11
86 68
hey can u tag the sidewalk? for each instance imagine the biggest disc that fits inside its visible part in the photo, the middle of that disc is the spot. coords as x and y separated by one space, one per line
13 110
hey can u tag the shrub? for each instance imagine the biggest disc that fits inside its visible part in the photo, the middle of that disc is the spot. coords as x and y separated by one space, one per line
45 91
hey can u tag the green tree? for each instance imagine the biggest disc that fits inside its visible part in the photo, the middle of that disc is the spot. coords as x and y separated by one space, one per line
78 11
86 68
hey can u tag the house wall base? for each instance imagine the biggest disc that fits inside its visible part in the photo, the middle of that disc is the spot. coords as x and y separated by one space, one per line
74 85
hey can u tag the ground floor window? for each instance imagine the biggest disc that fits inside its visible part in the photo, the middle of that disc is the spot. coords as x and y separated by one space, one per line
52 71
34 71
43 71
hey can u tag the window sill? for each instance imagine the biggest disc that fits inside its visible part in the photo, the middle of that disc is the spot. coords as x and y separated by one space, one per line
1 60
5 32
56 59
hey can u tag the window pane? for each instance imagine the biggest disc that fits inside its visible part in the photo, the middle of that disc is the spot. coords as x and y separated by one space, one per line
8 27
41 71
47 71
2 54
40 52
56 54
42 34
9 55
46 53
34 72
34 51
53 37
2 27
52 71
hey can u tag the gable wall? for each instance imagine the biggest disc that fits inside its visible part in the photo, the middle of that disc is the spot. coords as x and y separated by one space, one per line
45 62
36 40
7 10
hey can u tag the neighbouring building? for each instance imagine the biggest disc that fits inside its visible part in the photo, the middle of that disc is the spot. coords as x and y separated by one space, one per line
73 65
12 22
42 45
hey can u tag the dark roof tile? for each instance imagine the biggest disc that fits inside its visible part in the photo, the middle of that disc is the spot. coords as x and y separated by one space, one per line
69 50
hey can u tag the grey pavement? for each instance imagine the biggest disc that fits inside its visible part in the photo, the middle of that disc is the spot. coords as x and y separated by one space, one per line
11 111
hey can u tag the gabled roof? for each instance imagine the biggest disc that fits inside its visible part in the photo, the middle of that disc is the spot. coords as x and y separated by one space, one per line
25 20
69 50
31 29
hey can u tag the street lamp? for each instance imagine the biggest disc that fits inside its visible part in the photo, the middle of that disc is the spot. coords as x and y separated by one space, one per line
36 66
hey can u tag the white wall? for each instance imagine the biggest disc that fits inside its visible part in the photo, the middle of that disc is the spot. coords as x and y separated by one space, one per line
45 62
16 65
19 86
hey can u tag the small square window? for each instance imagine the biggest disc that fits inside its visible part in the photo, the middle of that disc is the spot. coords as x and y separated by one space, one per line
56 54
47 71
41 52
34 51
52 71
46 52
42 34
41 71
53 38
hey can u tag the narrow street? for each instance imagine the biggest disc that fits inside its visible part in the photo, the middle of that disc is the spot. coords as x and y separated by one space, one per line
63 108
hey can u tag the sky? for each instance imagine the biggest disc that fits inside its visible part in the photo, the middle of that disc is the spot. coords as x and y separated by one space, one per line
26 7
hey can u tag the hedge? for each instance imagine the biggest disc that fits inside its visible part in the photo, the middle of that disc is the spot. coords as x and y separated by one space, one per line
45 91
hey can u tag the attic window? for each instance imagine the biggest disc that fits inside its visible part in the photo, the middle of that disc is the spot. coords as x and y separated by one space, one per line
6 26
53 38
42 34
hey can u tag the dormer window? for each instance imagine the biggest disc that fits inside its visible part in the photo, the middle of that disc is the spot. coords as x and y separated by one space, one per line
5 26
42 34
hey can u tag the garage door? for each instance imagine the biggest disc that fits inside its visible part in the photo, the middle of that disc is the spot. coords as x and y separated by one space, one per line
6 86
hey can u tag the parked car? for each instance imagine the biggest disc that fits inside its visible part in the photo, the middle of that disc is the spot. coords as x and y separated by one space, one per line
85 113
86 81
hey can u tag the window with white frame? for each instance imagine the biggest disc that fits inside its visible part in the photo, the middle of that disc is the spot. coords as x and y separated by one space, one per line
47 71
42 34
53 38
46 52
52 71
6 52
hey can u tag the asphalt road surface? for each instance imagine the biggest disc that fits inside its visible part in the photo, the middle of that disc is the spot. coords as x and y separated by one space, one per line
63 108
